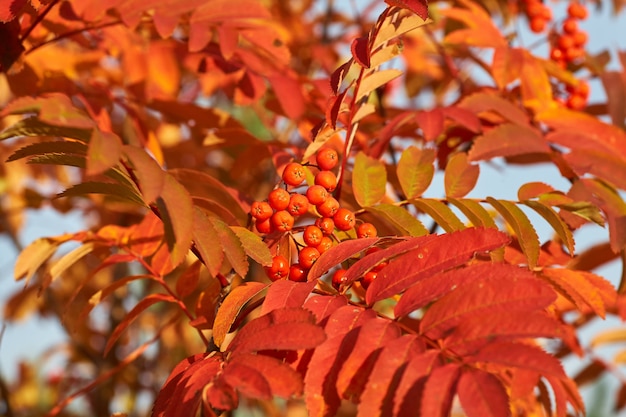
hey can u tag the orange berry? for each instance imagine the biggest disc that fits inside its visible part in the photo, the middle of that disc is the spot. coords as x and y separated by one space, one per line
565 42
366 230
577 11
326 158
329 207
294 174
557 54
339 278
327 224
261 210
344 219
570 26
325 244
326 179
307 256
297 273
263 226
572 54
580 38
312 236
316 194
537 24
279 268
298 205
279 199
576 102
282 221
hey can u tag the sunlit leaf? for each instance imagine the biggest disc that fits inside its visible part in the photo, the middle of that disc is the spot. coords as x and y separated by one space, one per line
552 217
33 257
460 176
176 211
56 147
206 240
105 149
232 246
440 213
117 191
399 218
507 140
337 254
286 294
150 175
32 126
377 79
369 180
415 171
253 245
231 307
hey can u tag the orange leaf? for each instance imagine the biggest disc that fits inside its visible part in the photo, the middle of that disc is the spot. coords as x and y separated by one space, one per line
460 176
176 211
232 306
482 395
205 238
506 65
33 257
481 28
281 379
419 7
536 88
105 149
286 294
150 175
431 123
508 140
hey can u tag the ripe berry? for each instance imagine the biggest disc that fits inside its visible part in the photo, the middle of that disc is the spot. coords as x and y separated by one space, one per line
327 224
325 244
307 256
279 268
379 265
316 194
312 236
576 102
339 278
279 199
368 278
344 219
326 159
261 210
282 221
263 226
298 205
570 26
329 207
297 273
327 180
577 11
293 174
580 38
565 41
366 230
537 24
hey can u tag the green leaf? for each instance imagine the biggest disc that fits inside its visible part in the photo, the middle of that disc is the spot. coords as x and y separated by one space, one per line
105 149
415 171
369 180
521 225
552 217
440 213
176 211
232 246
32 126
460 176
95 187
254 246
398 217
59 147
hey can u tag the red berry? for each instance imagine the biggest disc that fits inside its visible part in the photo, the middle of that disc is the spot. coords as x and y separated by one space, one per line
279 199
312 236
537 24
570 26
577 11
279 268
327 224
366 230
297 273
298 205
325 244
576 102
339 278
565 42
294 174
344 219
580 38
329 207
326 159
282 221
368 278
316 194
263 226
307 256
327 180
261 210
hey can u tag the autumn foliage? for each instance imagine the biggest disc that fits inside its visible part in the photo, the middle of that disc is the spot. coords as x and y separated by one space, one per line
279 208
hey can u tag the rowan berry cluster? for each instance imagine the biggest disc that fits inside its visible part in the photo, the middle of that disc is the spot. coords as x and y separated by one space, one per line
293 199
539 15
568 44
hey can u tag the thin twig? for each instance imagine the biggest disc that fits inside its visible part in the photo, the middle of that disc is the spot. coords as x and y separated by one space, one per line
39 18
72 33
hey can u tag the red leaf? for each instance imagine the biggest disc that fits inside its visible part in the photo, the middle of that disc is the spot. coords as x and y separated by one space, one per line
360 51
533 190
439 390
565 390
337 76
282 380
289 94
463 117
508 140
248 380
518 355
481 103
285 329
220 395
355 372
286 294
607 166
431 288
431 123
205 237
232 306
482 395
443 252
503 288
9 9
409 393
334 108
321 395
385 375
419 7
338 254
146 302
322 306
